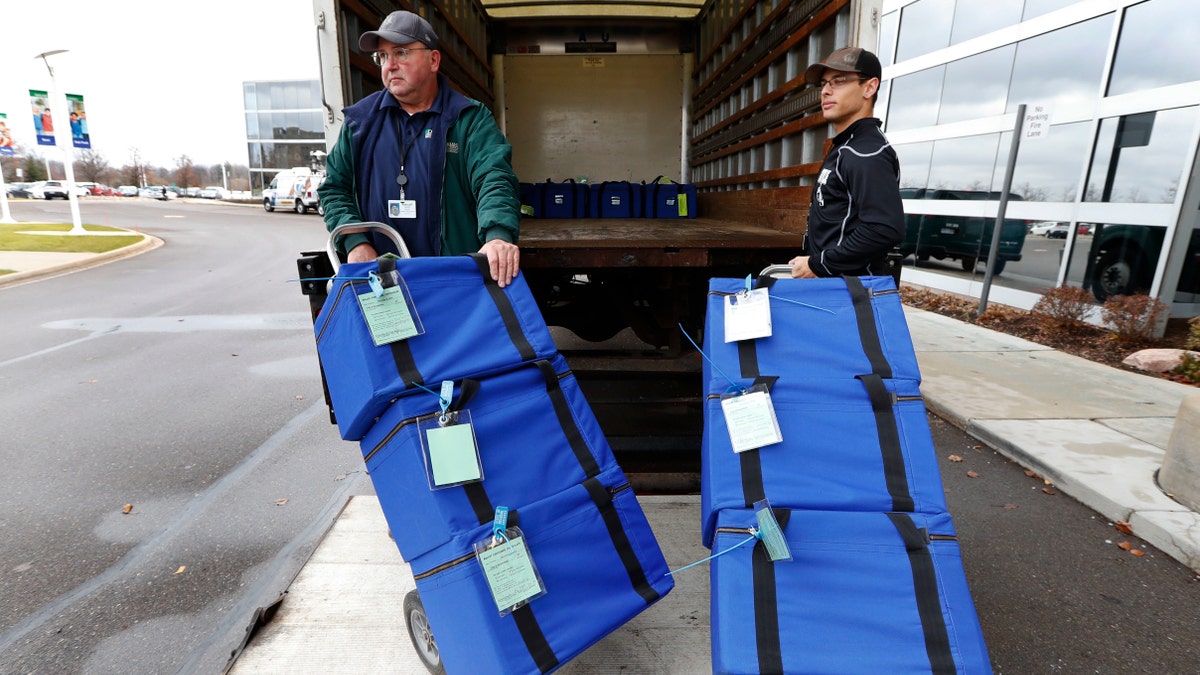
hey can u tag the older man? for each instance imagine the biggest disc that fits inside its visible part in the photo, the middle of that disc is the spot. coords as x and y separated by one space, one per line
422 158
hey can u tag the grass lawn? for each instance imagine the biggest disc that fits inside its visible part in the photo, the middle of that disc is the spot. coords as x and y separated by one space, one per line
11 240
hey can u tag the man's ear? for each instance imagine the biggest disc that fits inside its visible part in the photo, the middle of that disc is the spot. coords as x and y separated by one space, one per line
871 88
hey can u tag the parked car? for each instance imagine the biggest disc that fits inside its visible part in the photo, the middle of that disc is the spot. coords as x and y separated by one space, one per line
1059 231
191 192
48 189
1041 229
17 190
309 200
285 190
84 189
127 190
156 192
963 238
213 192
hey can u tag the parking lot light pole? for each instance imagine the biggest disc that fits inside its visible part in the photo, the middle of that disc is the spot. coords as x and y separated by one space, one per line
68 154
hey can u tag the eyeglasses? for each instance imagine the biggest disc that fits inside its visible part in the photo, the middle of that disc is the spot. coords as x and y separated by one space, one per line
838 81
399 55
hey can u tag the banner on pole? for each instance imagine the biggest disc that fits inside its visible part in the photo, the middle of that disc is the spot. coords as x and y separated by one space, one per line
79 125
43 124
6 141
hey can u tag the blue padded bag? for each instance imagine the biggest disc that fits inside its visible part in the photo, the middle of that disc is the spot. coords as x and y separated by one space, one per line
858 444
864 593
536 436
615 199
567 199
472 327
599 562
668 200
859 328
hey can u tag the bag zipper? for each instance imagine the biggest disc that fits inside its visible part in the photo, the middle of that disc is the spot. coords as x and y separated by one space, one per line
449 564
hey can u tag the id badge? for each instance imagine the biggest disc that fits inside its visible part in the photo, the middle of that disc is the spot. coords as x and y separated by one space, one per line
750 419
509 570
748 315
402 208
450 451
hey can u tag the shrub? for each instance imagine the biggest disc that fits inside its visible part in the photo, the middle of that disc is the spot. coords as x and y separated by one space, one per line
1133 317
1064 307
1188 368
1193 339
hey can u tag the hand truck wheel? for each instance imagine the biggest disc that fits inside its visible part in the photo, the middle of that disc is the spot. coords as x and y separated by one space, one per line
420 633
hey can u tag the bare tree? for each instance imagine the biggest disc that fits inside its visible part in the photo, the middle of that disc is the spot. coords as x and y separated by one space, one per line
185 172
91 166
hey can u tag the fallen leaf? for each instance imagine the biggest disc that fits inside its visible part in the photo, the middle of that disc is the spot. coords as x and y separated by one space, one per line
1123 527
1029 473
972 474
181 569
1049 491
127 508
1138 552
1047 482
955 458
280 502
1125 546
1012 506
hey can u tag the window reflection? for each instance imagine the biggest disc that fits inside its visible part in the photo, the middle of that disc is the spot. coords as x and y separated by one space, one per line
1120 259
1048 168
1155 46
1188 289
248 96
964 163
1139 158
252 126
887 38
924 27
1061 67
976 86
1039 7
913 101
981 18
914 163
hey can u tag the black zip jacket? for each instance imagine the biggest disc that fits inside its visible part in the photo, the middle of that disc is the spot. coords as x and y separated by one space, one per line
856 215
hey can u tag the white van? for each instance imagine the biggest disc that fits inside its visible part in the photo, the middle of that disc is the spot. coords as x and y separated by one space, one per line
285 190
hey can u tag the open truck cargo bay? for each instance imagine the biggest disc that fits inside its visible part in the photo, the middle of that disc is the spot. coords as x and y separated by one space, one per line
708 93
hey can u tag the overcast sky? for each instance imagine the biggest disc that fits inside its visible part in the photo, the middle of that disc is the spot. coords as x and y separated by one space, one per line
162 76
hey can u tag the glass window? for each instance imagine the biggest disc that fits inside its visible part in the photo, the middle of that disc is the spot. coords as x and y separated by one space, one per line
1063 66
262 93
914 163
1039 7
976 86
972 19
1120 259
924 27
1048 168
965 163
913 100
1188 289
252 126
1139 158
248 95
1155 46
887 38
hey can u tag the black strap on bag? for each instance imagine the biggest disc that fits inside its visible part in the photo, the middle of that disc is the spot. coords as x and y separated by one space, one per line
603 500
867 332
562 410
504 305
749 460
766 604
534 639
890 445
925 584
406 365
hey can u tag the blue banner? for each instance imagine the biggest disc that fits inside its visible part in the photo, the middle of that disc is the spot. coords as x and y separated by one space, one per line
6 141
43 123
79 124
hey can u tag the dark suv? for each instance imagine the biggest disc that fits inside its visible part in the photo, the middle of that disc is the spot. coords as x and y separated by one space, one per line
966 239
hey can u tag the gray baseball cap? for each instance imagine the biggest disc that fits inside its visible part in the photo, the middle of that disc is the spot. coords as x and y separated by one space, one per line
400 27
846 60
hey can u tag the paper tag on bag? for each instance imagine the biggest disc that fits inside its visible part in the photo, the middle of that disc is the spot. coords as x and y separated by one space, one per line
750 419
388 316
509 570
748 315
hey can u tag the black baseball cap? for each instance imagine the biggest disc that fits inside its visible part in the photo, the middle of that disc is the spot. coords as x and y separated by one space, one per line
846 60
400 27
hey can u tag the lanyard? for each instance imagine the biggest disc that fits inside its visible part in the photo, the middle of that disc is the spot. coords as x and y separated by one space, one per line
402 179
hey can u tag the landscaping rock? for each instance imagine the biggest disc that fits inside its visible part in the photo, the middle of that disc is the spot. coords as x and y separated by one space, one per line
1157 360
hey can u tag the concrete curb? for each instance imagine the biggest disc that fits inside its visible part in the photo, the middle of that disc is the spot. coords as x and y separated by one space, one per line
148 243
